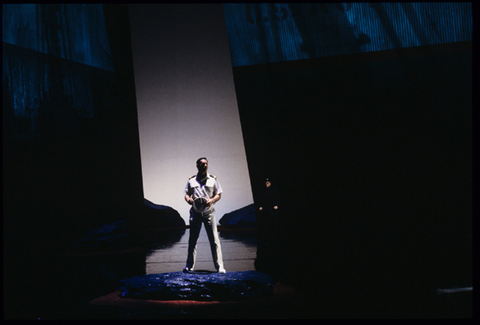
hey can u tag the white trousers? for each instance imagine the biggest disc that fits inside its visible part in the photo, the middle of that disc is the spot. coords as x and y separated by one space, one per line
196 221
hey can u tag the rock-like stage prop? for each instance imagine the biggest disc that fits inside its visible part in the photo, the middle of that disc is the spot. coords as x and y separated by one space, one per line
200 285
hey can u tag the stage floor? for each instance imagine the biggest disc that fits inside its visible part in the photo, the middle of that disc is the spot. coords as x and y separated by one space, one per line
239 250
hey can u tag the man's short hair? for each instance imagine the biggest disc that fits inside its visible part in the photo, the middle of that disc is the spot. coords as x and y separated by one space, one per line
199 159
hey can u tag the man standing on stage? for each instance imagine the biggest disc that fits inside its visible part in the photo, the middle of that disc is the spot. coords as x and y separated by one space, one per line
202 191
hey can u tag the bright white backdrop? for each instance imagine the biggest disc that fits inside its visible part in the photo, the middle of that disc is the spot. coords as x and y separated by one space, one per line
186 103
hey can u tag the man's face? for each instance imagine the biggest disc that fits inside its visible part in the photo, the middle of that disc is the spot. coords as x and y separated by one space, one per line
202 166
267 184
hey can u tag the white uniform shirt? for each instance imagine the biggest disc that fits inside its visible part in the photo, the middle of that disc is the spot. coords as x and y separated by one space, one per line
195 189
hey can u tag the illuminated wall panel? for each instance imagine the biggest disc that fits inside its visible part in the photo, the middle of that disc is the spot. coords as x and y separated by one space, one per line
186 103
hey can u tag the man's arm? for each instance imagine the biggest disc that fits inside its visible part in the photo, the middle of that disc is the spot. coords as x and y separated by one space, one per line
214 199
188 194
188 199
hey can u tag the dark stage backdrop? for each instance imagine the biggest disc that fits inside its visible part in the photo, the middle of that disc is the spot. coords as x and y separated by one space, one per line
71 157
70 132
362 116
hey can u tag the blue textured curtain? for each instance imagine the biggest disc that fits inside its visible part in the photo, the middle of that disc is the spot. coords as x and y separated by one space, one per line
275 32
57 68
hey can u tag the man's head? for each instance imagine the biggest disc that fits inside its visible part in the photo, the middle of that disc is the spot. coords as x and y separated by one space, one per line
202 165
267 182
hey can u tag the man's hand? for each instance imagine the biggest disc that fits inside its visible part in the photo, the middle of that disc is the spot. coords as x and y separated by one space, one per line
214 199
188 199
209 202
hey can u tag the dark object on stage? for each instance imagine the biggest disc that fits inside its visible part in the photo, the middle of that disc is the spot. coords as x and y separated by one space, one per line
198 286
109 237
241 218
113 236
161 216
